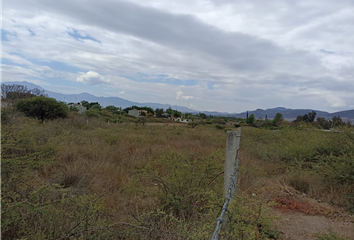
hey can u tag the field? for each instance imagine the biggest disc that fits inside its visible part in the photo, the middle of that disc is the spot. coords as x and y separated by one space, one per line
66 179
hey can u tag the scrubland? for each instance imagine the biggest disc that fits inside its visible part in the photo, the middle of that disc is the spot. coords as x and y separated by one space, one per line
66 179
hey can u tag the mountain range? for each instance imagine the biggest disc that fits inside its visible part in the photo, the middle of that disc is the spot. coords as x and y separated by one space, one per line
288 114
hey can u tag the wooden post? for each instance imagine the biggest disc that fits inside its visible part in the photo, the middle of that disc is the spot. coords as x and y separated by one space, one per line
231 164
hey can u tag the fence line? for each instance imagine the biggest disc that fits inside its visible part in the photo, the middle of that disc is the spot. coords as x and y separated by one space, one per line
232 188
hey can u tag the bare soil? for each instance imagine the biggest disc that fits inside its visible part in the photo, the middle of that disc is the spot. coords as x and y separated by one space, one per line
299 224
296 225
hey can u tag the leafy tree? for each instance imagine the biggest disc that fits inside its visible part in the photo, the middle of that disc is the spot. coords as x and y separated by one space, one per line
177 114
299 118
96 106
85 104
202 115
251 119
112 109
93 112
148 109
159 112
187 115
42 108
308 117
169 111
337 121
278 117
311 116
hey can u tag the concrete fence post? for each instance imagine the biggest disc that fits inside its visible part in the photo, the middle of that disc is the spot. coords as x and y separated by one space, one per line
231 163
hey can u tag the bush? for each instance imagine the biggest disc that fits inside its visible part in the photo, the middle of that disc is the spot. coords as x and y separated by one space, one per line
219 127
42 108
5 114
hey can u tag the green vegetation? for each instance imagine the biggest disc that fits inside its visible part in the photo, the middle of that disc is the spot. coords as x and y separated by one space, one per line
82 178
42 108
328 236
101 181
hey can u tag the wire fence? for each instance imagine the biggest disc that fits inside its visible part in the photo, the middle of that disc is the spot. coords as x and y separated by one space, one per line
231 192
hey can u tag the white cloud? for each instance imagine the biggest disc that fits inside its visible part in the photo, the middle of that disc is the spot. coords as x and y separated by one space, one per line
180 95
250 54
336 102
92 78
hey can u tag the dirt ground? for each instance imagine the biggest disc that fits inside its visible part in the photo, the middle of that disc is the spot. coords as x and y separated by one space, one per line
296 226
300 217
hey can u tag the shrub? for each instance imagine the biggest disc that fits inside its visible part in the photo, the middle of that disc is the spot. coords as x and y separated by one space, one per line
42 108
5 114
219 127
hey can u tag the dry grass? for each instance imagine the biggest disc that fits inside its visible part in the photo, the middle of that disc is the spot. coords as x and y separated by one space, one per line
143 174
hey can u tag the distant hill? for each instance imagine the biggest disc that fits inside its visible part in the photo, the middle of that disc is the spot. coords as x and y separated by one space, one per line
103 101
289 114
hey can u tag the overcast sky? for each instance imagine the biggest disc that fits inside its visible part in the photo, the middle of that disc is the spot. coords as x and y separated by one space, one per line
223 55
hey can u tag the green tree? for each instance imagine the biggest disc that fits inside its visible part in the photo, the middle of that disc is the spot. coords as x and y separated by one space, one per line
311 116
202 115
337 121
148 109
112 109
169 111
42 108
85 104
251 119
159 112
299 118
278 117
177 114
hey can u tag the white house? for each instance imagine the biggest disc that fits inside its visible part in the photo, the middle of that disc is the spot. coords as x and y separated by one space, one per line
182 120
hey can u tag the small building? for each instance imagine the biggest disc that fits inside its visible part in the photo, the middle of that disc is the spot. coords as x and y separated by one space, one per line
182 120
134 112
80 109
137 113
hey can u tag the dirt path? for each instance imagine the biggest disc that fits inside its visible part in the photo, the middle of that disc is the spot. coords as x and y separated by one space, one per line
296 226
299 217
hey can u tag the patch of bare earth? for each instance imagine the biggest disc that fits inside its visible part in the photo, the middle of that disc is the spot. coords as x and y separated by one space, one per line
298 216
296 225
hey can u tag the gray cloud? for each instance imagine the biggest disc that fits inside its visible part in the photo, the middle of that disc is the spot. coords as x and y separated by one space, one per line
263 52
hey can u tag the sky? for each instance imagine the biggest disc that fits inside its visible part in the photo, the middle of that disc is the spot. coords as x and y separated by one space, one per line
210 55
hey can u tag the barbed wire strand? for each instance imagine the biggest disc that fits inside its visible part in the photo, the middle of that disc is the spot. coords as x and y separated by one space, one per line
230 194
